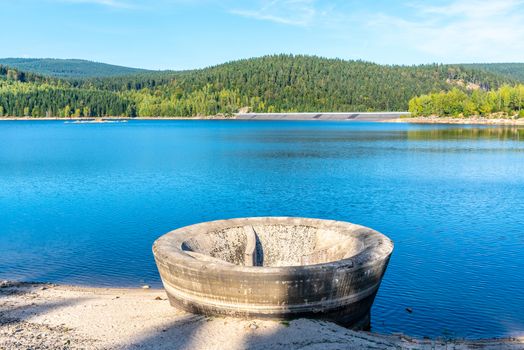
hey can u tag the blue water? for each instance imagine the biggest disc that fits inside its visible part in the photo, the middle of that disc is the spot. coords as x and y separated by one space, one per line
83 203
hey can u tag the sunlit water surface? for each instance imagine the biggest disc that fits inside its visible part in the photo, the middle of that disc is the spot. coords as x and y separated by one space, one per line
83 203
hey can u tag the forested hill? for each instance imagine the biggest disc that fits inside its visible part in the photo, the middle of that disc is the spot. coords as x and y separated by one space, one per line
68 68
279 83
510 70
293 83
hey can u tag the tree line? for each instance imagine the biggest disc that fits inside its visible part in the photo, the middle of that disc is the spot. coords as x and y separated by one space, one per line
507 100
28 95
278 83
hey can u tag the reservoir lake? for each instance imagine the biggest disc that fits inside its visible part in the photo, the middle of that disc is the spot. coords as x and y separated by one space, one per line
83 203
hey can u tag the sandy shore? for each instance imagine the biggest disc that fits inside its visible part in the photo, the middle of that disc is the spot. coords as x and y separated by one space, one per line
466 121
45 316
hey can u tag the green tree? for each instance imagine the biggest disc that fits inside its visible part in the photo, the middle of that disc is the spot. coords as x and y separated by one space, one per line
67 111
470 108
507 99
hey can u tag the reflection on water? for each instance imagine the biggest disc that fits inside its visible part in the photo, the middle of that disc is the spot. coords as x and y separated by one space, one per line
468 133
83 203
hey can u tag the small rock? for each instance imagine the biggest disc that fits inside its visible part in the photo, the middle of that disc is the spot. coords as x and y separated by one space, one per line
158 298
43 288
145 287
408 309
405 338
253 326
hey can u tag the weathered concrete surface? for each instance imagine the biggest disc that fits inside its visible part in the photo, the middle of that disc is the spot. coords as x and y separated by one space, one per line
300 268
358 116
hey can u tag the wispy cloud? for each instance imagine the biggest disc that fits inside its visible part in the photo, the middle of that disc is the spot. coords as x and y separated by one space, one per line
461 29
290 12
470 8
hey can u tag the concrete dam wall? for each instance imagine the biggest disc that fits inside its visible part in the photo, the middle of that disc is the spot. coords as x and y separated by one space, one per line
356 116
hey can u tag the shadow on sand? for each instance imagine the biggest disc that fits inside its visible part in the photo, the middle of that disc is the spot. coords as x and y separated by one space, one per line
199 332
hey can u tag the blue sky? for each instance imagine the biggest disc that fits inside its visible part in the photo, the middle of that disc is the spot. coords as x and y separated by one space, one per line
184 34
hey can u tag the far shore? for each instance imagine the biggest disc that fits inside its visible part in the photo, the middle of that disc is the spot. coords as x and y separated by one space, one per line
412 120
465 121
217 117
48 316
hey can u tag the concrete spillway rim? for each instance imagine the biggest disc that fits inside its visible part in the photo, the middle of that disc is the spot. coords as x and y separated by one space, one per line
168 247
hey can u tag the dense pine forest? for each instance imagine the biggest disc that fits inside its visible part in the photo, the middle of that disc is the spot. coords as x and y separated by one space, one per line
510 70
29 95
68 68
279 83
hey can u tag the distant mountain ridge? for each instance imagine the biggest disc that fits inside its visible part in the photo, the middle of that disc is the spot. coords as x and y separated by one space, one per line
69 68
85 69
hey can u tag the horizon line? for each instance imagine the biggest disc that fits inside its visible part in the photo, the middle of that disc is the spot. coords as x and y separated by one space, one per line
253 57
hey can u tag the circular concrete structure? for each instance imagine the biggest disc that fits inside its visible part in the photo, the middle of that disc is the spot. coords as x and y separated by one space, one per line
274 267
